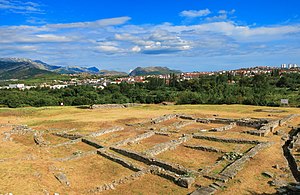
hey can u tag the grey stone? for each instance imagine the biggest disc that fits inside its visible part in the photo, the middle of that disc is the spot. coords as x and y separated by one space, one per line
268 174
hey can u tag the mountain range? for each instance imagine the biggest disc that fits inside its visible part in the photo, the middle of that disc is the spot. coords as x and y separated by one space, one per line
22 68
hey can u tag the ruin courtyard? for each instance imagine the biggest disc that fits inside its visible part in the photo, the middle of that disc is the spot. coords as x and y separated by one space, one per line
149 149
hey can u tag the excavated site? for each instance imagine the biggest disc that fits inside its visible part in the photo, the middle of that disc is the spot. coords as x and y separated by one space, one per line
150 150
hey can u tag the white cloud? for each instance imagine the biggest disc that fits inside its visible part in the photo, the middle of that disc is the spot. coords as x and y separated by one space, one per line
21 7
93 24
195 13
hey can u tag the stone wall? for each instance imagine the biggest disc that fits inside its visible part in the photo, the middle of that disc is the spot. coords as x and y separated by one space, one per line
286 119
226 140
135 139
231 170
70 136
265 128
152 161
115 183
163 118
204 148
119 160
182 181
224 128
92 143
39 140
108 106
159 148
105 131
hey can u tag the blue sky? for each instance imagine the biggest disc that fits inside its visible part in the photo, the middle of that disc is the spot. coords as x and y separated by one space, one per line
190 35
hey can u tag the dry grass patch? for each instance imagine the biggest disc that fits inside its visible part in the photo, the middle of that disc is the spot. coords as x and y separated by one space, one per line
114 137
89 172
189 158
148 185
68 150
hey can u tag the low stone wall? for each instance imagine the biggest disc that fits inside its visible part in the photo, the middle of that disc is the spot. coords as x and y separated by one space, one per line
115 183
181 124
265 129
224 128
107 106
286 119
291 145
118 159
187 117
163 118
106 131
70 136
135 139
226 140
204 148
182 181
232 169
152 161
163 133
159 148
92 143
39 140
17 130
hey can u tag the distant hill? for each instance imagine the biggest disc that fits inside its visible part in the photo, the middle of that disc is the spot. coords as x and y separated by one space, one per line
21 68
152 70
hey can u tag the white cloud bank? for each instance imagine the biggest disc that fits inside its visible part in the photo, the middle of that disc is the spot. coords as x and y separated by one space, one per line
113 38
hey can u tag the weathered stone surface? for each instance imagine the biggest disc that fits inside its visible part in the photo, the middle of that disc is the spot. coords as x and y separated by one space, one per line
107 106
178 169
226 140
163 118
115 183
224 128
39 140
62 178
105 131
159 148
92 142
135 139
268 174
68 135
118 159
204 148
232 169
186 182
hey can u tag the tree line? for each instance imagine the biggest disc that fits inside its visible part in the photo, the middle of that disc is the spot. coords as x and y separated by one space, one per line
264 90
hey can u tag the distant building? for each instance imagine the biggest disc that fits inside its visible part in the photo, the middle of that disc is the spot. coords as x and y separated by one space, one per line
283 66
16 86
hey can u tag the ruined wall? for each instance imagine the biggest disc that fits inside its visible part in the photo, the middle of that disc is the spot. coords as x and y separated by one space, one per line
224 128
204 148
152 161
135 139
159 148
105 131
163 118
225 140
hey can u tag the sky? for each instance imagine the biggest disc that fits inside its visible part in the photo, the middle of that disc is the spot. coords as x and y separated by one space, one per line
188 35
